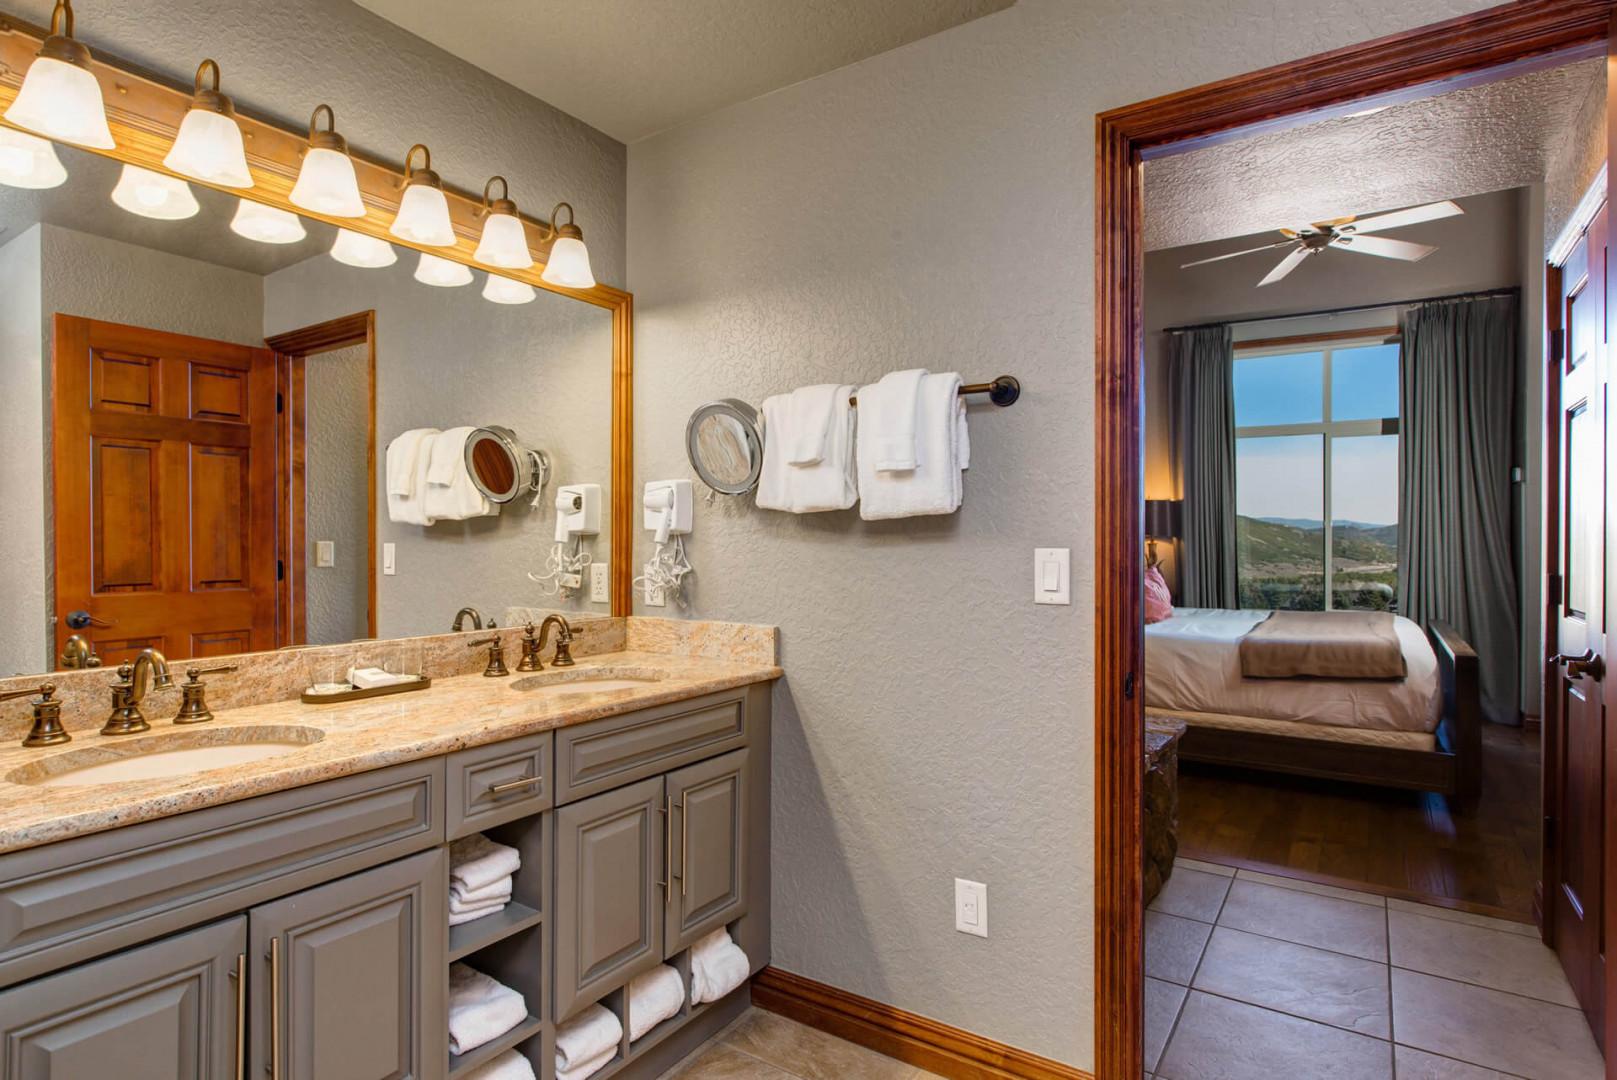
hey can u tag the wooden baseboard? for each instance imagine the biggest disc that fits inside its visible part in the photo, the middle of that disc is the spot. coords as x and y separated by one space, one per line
906 1036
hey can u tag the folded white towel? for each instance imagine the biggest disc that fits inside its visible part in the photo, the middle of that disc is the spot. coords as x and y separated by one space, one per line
586 1036
497 891
654 996
888 431
808 415
365 678
829 484
585 1069
480 1009
476 862
450 494
458 906
510 1065
934 486
456 918
406 462
718 966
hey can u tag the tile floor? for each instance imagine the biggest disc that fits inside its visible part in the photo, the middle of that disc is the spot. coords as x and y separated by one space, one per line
1250 976
764 1046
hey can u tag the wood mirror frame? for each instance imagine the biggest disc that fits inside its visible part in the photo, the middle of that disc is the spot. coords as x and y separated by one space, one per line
144 110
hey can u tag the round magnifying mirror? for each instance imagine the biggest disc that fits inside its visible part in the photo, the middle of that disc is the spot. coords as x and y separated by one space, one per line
725 447
502 466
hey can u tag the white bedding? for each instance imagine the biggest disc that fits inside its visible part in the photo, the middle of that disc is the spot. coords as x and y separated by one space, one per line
1193 665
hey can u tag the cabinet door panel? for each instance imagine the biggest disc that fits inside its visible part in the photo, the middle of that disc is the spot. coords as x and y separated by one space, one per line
165 1011
609 920
710 844
357 971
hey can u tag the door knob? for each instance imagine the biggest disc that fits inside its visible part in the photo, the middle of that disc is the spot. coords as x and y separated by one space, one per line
80 620
1587 663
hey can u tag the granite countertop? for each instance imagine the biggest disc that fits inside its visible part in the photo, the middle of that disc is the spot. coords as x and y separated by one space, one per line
454 713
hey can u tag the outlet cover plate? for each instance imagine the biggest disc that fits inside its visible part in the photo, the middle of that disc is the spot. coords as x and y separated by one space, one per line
599 588
971 907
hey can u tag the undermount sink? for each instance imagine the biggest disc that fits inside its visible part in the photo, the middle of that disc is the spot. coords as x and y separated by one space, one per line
589 680
154 757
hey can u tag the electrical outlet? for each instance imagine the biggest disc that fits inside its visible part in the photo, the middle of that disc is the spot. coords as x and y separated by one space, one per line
656 596
599 588
971 907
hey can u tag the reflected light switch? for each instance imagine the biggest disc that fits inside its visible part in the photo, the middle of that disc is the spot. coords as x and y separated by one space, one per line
325 553
1052 582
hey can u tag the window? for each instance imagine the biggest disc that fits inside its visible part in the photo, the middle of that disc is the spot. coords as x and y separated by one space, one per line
1316 475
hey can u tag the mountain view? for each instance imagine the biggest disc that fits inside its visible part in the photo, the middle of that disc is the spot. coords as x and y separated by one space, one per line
1282 563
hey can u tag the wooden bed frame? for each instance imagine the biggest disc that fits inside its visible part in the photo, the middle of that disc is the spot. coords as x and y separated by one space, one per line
1453 768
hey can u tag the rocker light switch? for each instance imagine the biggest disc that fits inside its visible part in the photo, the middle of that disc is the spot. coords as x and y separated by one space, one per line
1051 576
325 553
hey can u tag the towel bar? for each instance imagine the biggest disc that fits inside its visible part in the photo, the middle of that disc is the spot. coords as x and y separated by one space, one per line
1002 391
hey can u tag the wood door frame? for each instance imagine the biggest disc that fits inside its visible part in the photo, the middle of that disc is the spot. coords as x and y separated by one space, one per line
1470 49
293 350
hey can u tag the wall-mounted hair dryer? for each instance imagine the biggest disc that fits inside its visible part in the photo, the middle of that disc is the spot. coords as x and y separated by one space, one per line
667 506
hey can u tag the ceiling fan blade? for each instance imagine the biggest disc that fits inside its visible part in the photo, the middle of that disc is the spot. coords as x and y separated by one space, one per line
1233 254
1399 218
1385 247
1334 223
1287 265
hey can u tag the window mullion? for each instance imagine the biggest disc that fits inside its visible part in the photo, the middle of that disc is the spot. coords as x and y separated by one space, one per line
1325 459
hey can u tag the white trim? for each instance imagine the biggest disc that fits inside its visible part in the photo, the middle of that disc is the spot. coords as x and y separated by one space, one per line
1581 217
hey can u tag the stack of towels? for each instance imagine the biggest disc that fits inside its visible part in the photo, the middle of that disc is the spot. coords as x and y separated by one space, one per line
587 1043
718 966
480 1009
808 451
480 873
510 1065
428 481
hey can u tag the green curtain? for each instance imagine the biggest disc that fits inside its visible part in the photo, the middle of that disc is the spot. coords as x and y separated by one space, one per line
1459 378
1202 363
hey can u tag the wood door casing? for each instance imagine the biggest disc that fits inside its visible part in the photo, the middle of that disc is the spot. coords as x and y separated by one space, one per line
163 460
709 857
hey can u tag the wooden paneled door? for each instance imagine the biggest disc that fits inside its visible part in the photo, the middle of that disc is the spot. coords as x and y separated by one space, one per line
1576 743
163 450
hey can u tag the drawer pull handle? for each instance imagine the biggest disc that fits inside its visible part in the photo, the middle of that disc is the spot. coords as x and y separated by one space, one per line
684 840
275 1008
514 785
667 811
240 975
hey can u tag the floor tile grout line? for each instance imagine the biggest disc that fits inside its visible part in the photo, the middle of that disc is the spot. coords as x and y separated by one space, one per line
1294 885
1299 944
1475 926
1457 1061
1485 986
1392 1019
1294 1016
1180 1012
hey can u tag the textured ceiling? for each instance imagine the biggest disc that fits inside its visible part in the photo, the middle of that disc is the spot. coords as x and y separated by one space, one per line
1485 138
632 68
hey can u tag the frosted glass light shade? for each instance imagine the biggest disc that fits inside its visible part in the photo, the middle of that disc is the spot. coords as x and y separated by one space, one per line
27 161
153 195
502 290
266 224
423 217
63 101
326 184
365 252
569 265
432 270
209 148
504 243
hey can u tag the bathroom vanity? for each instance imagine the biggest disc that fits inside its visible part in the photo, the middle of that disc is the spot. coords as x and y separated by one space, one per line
288 916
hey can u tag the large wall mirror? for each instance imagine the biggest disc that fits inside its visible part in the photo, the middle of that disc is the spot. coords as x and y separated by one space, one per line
197 406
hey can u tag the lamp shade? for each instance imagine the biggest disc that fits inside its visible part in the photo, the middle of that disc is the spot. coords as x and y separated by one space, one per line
502 290
266 224
60 96
154 195
423 216
209 145
504 242
27 161
432 270
569 265
365 252
326 182
1162 518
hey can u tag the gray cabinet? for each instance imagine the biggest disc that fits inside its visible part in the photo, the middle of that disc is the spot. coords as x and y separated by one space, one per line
708 860
610 883
165 1011
349 979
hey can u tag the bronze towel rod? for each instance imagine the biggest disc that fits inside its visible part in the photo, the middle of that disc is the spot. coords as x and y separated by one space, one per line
1002 391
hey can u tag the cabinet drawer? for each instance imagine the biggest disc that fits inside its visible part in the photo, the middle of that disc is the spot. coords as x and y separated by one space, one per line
490 785
604 754
80 898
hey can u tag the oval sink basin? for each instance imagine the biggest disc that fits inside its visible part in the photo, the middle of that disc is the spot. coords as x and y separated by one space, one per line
154 757
589 680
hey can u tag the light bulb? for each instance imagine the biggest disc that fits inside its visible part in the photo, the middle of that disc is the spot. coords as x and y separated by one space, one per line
423 216
154 195
266 224
502 290
60 96
209 145
365 252
27 161
326 182
569 264
432 270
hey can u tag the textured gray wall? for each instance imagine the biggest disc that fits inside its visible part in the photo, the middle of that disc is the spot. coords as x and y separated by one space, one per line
1575 167
25 636
447 357
336 388
930 206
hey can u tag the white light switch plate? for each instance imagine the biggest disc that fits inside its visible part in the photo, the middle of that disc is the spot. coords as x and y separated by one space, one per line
1052 575
599 593
387 559
971 907
325 553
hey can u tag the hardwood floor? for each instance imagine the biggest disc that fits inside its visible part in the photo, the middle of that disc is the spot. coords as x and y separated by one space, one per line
1405 844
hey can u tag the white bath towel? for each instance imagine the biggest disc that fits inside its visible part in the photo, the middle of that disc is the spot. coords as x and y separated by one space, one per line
510 1065
456 918
494 892
718 966
943 449
450 494
808 418
654 996
405 469
480 1009
830 483
888 429
586 1036
585 1069
476 862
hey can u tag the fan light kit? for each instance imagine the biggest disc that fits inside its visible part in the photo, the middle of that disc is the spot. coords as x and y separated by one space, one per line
1348 234
60 96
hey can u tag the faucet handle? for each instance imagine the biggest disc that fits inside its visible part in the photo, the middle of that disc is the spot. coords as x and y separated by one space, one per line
47 729
194 705
496 668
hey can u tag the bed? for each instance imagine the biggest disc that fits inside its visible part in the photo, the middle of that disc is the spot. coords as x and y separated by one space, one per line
1421 731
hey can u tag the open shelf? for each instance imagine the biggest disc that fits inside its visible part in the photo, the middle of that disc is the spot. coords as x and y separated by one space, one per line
469 937
463 1063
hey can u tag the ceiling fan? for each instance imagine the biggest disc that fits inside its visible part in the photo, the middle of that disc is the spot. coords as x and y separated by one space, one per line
1349 234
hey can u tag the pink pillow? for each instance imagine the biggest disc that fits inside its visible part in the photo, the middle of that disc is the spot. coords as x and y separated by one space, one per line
1158 601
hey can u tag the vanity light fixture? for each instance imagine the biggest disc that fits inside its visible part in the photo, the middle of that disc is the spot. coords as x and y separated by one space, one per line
423 216
60 96
365 252
266 224
432 270
27 161
209 146
569 264
326 182
154 195
504 242
503 290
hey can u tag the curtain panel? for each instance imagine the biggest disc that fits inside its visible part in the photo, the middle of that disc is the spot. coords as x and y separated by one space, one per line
1202 365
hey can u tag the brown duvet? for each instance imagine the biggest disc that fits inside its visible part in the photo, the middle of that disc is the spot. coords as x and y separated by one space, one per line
1324 645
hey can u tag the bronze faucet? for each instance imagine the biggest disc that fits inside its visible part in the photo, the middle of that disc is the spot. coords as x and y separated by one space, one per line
194 706
148 672
468 613
496 657
564 639
78 653
47 729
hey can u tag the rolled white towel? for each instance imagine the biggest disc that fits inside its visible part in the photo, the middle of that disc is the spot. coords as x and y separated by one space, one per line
712 944
456 918
510 1065
476 862
585 1069
499 892
586 1036
654 996
480 1009
718 966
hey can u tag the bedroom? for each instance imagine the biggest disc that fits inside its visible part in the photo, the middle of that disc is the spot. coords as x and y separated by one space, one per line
1347 464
